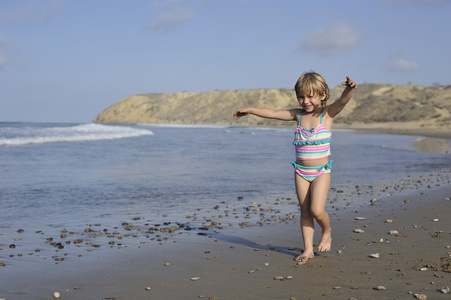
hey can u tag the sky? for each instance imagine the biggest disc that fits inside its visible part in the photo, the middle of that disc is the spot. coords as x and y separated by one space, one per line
67 60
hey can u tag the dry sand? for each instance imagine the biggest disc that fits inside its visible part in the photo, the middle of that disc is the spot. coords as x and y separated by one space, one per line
246 246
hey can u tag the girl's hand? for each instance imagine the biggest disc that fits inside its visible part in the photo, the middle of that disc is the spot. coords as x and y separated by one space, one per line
240 113
349 83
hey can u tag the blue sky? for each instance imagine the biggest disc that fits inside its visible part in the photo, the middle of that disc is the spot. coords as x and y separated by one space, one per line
67 60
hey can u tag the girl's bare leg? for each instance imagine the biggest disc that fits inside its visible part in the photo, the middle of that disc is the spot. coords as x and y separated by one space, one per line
319 190
307 225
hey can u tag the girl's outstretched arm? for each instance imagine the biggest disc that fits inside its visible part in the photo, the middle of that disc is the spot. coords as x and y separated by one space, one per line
336 107
284 115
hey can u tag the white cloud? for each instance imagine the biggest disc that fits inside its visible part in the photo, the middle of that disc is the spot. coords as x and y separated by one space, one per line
403 66
336 38
396 54
34 12
168 21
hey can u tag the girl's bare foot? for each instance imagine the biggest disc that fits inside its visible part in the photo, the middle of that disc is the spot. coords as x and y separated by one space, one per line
326 241
304 257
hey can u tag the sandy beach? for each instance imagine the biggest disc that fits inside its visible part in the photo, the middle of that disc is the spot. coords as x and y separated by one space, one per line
246 251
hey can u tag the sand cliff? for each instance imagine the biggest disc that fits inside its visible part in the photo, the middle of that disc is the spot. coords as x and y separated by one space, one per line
373 106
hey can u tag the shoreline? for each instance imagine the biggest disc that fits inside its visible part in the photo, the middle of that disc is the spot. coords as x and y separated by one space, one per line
399 129
241 261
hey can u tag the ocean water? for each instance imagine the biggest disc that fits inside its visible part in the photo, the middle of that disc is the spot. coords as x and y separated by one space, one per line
68 174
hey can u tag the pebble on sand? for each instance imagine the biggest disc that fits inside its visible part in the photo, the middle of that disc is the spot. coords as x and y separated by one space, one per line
56 295
358 230
421 296
380 288
195 278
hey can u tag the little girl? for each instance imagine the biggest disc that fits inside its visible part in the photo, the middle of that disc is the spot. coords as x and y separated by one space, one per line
312 166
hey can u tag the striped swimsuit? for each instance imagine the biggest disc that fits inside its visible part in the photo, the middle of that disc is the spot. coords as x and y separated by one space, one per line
310 145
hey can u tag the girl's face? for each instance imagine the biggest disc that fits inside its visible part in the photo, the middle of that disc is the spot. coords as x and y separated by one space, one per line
310 102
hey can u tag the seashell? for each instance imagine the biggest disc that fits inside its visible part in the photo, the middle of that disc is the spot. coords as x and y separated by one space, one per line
381 240
195 278
380 288
393 232
279 278
358 230
375 255
251 271
56 295
360 218
445 290
423 269
148 288
388 221
289 277
435 220
421 296
167 264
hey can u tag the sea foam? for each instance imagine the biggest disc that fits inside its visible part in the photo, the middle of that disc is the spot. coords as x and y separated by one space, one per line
22 135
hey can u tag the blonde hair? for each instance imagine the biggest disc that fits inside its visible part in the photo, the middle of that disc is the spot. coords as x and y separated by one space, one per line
311 83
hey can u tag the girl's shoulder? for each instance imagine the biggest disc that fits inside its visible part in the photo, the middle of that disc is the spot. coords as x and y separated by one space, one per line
327 119
297 112
326 112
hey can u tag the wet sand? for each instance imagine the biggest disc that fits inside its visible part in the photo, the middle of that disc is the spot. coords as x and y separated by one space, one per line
245 250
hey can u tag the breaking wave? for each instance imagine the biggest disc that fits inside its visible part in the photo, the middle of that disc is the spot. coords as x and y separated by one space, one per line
16 134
